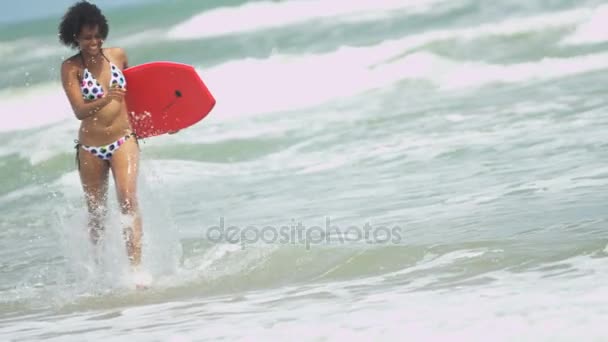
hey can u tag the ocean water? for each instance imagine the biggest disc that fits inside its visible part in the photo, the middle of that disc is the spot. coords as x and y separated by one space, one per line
373 170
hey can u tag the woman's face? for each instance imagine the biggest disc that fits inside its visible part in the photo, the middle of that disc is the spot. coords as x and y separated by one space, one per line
90 40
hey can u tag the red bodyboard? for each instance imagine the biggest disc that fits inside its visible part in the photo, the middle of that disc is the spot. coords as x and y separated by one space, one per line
164 97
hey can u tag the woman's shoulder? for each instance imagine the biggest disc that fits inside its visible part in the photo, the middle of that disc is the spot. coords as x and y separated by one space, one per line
117 54
115 51
72 63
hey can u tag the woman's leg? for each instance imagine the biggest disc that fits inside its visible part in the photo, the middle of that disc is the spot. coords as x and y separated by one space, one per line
125 165
94 178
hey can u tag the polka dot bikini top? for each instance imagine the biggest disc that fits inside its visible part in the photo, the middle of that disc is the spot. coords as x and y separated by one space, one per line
91 88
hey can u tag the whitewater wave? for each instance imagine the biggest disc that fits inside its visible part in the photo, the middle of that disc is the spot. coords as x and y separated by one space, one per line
593 30
250 87
269 14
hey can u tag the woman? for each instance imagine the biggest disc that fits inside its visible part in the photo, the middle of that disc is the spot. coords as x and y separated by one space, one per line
95 87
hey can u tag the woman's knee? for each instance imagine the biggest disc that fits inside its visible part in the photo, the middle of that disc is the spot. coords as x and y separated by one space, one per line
96 203
128 203
98 212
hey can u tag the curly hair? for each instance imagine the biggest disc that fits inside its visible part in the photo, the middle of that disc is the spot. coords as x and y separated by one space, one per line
78 16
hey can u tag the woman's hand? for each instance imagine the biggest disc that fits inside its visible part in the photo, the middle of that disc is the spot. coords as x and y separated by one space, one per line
116 93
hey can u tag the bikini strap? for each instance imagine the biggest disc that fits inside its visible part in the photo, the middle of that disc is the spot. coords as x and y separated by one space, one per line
104 56
84 63
82 58
137 138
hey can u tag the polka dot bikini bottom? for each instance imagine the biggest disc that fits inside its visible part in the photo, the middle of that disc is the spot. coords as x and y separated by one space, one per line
105 152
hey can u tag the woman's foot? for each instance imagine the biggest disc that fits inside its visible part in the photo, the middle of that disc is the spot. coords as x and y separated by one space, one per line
142 279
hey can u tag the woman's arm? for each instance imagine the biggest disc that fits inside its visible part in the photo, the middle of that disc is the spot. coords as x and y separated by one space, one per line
71 86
